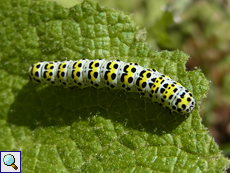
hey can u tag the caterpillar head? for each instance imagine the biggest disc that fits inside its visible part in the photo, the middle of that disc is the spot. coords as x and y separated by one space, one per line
185 102
191 105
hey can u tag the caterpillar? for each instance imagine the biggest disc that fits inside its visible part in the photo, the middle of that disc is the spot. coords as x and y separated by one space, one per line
115 74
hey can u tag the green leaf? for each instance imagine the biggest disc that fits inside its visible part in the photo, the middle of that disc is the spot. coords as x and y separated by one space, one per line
89 130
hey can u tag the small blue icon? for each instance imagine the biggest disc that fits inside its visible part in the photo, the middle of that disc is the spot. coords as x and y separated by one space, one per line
9 160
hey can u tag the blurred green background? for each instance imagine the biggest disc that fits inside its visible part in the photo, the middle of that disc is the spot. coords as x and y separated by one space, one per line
200 29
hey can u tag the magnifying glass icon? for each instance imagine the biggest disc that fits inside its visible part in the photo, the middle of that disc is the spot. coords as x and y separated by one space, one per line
9 160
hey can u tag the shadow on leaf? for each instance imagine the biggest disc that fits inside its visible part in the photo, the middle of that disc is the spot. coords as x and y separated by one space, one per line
42 106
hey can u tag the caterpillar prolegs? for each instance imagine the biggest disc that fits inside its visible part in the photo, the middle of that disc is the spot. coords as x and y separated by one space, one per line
115 74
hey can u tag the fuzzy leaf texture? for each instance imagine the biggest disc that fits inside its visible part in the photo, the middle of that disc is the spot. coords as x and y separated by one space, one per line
90 130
